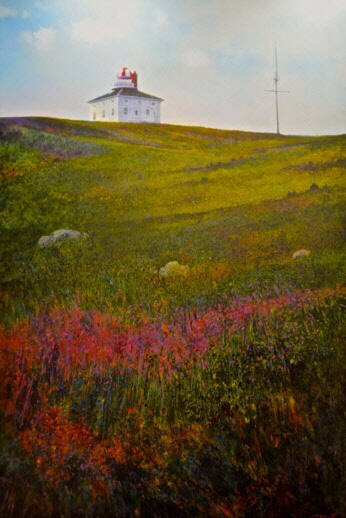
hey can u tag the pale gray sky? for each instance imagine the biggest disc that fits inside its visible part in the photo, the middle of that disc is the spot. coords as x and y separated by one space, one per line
211 60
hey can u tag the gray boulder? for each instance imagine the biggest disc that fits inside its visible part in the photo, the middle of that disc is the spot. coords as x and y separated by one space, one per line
61 235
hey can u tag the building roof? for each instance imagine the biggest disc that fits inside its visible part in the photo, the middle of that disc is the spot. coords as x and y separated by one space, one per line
126 92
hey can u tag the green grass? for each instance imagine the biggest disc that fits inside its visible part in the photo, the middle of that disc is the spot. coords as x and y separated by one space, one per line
236 411
231 204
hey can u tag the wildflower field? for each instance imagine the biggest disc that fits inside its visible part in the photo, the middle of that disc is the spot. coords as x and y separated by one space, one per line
216 391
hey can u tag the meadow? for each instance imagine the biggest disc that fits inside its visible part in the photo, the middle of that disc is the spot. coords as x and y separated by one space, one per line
217 393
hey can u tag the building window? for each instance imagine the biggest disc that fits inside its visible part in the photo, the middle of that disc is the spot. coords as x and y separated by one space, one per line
103 114
153 104
126 100
147 112
112 111
136 112
94 116
125 111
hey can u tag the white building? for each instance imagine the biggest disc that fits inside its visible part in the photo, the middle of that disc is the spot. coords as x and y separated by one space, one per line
125 103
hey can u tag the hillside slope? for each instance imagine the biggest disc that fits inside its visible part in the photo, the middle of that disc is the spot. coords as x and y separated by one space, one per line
214 392
219 200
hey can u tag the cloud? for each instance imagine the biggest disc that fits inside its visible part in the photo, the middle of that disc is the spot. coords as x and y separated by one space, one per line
319 12
42 40
41 5
160 18
92 31
108 22
6 12
195 58
296 25
211 60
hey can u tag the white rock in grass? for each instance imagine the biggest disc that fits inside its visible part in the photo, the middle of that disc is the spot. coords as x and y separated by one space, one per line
173 268
44 241
301 253
61 235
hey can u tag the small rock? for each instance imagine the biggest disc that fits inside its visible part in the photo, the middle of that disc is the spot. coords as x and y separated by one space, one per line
301 253
173 268
61 235
44 241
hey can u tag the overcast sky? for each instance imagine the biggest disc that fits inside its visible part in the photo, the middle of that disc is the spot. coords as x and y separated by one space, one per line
211 60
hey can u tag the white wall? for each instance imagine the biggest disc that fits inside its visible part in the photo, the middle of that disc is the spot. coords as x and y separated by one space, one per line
106 110
126 109
139 109
122 82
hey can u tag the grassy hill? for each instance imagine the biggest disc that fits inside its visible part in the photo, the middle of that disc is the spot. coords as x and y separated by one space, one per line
230 204
205 394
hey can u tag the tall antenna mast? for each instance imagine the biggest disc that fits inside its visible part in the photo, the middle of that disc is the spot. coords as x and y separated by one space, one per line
276 80
276 91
